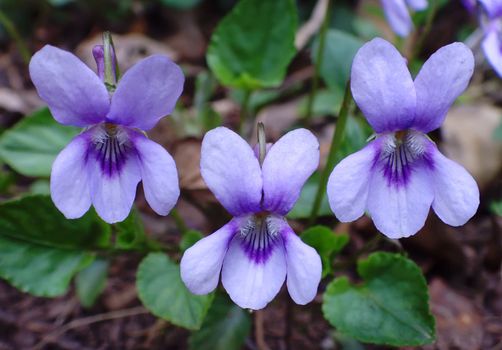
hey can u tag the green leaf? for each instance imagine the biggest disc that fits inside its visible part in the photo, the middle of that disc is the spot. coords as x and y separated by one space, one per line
162 291
253 45
327 102
390 307
31 145
91 281
130 232
189 239
339 51
35 219
303 206
326 242
181 4
357 132
226 327
496 207
39 270
498 133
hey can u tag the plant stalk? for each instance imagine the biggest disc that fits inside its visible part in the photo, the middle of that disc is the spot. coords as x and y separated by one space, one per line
14 34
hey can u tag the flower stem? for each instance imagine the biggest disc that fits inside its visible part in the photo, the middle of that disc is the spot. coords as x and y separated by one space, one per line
333 150
244 112
180 223
318 63
14 34
426 30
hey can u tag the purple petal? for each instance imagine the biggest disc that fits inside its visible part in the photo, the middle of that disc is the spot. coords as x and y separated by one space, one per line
493 8
113 184
201 264
158 173
74 93
69 179
382 86
349 182
398 16
231 171
147 92
492 47
399 209
304 268
252 284
288 164
456 197
441 80
417 5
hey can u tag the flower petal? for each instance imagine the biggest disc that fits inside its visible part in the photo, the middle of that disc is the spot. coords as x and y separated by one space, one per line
74 93
348 184
417 5
492 45
456 197
382 86
441 80
201 264
398 16
252 284
293 158
400 210
231 171
113 191
304 268
147 92
69 179
493 8
158 173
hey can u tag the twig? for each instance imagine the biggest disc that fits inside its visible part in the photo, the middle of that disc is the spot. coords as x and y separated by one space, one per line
85 321
309 28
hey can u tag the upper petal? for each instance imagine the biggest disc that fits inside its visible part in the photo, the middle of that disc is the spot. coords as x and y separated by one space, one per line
158 173
147 92
201 264
456 197
382 86
231 171
348 184
399 206
443 77
398 16
74 93
287 165
253 284
304 268
69 179
417 5
492 47
493 8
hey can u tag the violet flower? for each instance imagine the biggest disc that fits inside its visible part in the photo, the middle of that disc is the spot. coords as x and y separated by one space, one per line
399 175
398 15
104 164
257 248
491 22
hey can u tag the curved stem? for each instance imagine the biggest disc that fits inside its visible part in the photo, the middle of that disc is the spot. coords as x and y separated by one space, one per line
333 150
14 34
244 113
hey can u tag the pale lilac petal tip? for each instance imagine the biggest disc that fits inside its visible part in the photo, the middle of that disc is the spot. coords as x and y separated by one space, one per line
253 284
147 92
69 179
231 171
456 197
443 77
304 268
74 93
158 174
287 165
492 48
348 184
382 87
398 16
201 264
417 5
493 8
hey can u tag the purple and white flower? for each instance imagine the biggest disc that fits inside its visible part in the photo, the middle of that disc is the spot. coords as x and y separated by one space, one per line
257 249
491 22
398 15
104 164
399 175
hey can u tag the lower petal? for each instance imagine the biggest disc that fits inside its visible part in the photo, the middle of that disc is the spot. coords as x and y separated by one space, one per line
304 268
253 283
69 179
349 182
201 264
398 16
456 197
492 48
399 209
158 173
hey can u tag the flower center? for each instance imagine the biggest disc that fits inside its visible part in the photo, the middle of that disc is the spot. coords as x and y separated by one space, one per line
259 235
111 148
400 151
